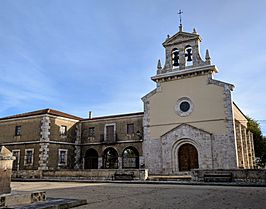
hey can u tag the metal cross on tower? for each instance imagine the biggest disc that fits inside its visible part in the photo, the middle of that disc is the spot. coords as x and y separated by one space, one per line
180 12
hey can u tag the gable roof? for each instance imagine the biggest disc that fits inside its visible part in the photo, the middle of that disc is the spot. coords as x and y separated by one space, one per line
181 37
41 112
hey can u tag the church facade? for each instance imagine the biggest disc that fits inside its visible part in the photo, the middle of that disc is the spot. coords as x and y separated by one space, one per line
189 122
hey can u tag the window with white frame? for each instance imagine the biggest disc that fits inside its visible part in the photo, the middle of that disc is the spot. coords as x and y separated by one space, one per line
28 159
63 130
16 154
62 157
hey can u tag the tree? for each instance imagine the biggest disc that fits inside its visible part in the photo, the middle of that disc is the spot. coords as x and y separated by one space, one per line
259 141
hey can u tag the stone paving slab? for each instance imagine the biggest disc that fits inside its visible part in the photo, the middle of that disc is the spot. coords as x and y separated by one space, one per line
51 203
21 198
245 184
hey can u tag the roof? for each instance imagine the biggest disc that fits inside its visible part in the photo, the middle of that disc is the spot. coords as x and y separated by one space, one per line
115 116
41 112
240 110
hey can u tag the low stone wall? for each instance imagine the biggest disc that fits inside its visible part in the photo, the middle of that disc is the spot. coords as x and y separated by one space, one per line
234 175
93 174
29 174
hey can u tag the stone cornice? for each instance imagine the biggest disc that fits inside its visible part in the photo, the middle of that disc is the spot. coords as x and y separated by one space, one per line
186 73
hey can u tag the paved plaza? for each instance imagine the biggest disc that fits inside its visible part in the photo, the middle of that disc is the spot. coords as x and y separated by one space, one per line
153 196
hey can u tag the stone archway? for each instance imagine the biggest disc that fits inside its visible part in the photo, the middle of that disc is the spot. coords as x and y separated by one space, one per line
187 157
130 158
110 158
91 159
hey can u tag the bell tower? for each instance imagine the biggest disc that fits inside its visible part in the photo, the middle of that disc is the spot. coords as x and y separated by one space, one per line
182 54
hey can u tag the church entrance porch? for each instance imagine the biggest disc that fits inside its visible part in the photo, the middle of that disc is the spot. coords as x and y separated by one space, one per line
187 157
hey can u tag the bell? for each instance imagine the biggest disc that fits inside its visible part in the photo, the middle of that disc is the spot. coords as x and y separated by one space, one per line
189 55
176 59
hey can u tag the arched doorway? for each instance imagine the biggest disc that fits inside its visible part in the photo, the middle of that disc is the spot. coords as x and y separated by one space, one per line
130 158
110 159
91 159
187 157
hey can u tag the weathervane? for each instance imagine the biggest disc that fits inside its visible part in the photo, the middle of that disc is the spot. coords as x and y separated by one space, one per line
180 16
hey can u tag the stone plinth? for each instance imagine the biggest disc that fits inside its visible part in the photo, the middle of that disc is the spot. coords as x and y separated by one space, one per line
6 160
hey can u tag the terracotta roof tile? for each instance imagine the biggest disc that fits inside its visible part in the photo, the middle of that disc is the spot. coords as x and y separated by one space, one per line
43 111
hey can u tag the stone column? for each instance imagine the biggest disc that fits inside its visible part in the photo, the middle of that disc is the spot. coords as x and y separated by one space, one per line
100 162
239 144
6 161
77 163
252 150
245 146
44 145
141 162
249 150
119 162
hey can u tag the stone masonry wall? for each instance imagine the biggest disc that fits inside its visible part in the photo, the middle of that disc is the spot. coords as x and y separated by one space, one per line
44 143
186 134
226 145
152 151
77 163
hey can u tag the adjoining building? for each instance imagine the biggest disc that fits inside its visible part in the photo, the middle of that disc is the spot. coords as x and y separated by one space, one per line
189 121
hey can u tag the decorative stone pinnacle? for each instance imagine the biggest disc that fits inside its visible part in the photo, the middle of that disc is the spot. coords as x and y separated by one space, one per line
159 66
207 57
194 31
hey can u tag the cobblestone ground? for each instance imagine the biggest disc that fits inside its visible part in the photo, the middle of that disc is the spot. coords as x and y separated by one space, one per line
155 196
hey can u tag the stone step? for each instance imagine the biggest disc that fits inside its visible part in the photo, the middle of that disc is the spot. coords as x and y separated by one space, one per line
51 203
21 198
170 178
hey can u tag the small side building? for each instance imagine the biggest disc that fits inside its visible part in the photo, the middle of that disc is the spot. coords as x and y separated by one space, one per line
40 140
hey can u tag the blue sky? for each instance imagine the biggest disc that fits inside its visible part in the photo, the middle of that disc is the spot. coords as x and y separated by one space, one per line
82 55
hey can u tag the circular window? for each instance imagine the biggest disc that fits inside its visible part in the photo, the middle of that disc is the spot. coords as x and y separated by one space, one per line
184 106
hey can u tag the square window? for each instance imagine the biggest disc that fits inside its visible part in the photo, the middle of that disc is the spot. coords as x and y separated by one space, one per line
91 131
63 130
130 128
62 155
18 131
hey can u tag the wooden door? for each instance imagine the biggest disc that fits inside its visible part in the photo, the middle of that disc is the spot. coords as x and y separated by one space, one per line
187 157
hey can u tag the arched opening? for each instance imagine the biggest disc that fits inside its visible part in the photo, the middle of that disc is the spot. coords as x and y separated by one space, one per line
130 158
175 58
110 159
188 55
91 159
187 157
